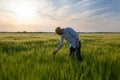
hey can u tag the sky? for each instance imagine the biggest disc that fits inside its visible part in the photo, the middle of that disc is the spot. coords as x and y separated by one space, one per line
46 15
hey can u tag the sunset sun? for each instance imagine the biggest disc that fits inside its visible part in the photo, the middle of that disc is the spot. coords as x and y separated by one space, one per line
25 13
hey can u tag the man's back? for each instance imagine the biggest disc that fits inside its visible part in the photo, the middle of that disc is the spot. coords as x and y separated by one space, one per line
70 35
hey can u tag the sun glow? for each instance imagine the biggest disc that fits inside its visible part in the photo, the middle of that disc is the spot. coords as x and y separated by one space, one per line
25 12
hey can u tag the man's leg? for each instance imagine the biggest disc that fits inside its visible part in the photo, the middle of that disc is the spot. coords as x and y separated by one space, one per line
72 51
79 52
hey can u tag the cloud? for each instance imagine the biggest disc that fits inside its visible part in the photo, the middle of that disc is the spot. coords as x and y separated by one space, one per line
79 10
6 11
88 13
92 15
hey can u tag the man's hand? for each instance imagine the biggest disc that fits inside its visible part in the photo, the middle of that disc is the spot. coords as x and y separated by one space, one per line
57 50
54 52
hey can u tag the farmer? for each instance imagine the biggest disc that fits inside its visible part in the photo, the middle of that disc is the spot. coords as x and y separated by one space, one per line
72 37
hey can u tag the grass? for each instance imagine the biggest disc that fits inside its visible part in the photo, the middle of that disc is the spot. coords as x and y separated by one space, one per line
29 57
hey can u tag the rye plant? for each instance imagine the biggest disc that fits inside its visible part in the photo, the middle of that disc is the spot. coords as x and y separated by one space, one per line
29 57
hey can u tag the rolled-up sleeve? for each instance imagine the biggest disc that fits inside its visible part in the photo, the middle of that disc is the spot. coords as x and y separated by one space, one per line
61 41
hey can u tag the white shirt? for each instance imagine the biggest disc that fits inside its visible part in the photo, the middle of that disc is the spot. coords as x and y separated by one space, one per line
70 35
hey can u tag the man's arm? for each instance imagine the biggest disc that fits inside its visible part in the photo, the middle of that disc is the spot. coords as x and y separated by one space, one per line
59 47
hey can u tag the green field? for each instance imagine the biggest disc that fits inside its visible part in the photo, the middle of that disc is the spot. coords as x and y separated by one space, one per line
26 56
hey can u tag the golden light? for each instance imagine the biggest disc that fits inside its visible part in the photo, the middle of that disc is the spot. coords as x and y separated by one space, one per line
25 13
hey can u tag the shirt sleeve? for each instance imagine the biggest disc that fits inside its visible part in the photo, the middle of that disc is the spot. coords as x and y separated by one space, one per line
61 41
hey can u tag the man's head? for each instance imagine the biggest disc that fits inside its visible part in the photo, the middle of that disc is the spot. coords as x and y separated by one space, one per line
58 30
